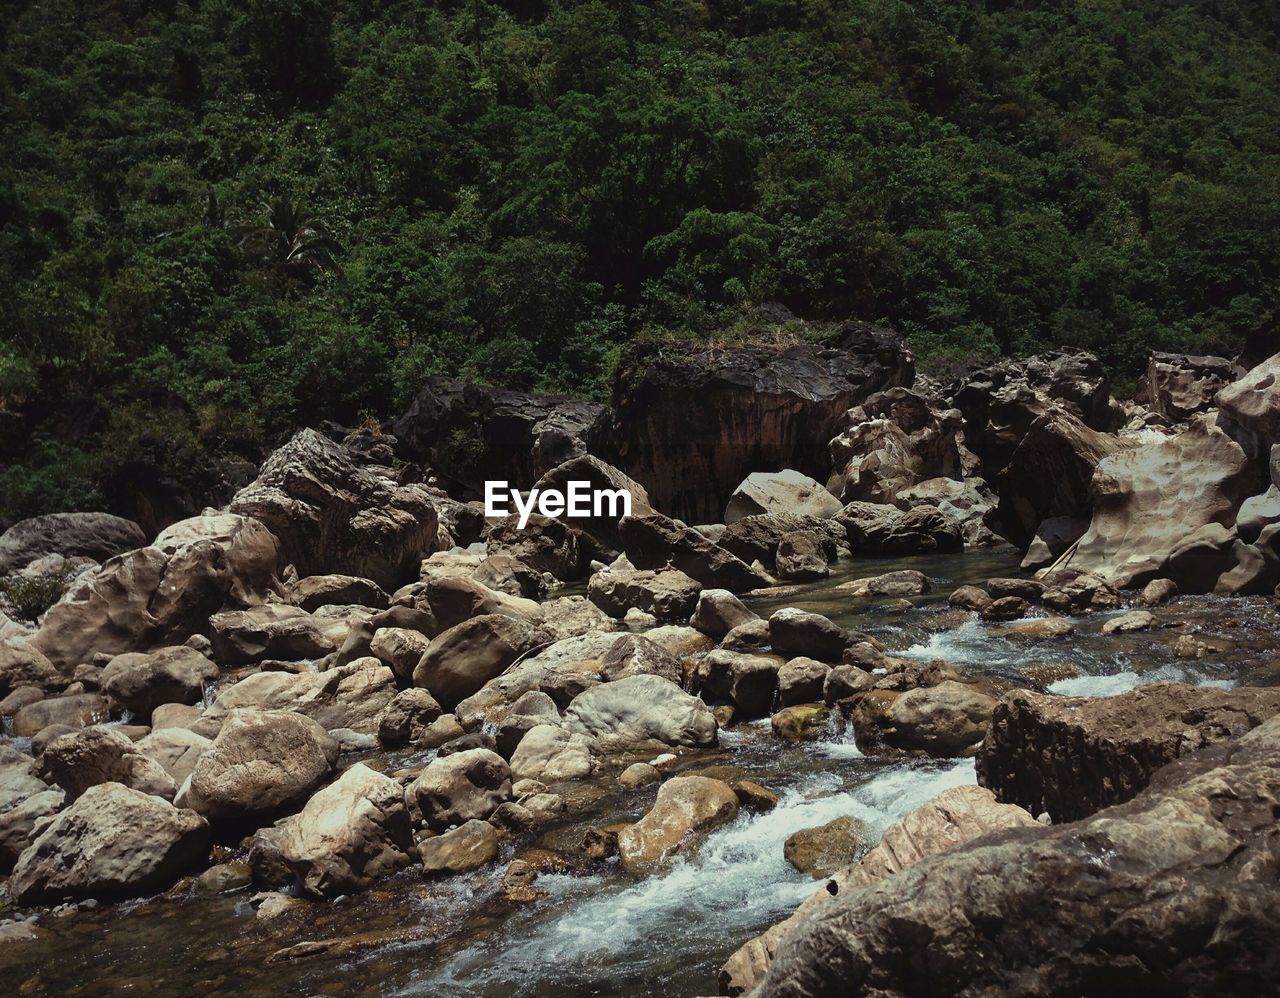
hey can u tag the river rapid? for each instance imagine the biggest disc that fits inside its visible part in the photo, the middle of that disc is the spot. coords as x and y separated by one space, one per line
598 931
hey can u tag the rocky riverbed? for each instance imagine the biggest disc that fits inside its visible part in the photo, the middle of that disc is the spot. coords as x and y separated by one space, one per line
346 734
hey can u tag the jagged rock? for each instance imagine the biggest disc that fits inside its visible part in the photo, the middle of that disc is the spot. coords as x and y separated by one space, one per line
176 750
406 716
874 528
349 697
690 422
718 612
142 681
83 759
1179 386
261 763
823 850
474 433
163 592
465 657
964 506
894 440
684 805
789 492
1071 756
459 788
1164 509
1034 910
1069 590
635 655
467 847
72 535
24 666
114 842
1052 539
599 476
350 833
638 710
795 632
316 591
545 545
954 816
654 541
668 594
334 516
548 752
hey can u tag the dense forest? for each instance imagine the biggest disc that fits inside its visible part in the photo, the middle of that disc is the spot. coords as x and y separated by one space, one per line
220 219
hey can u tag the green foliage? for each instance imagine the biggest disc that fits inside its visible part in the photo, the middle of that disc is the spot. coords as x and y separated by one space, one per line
28 595
289 210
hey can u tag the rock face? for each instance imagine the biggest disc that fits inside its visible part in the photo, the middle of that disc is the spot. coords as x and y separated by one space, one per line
462 659
262 762
780 492
691 422
654 541
141 682
894 440
1167 509
668 595
641 709
333 516
685 804
162 592
954 816
113 842
474 433
350 833
73 535
458 788
1072 756
1183 903
1179 386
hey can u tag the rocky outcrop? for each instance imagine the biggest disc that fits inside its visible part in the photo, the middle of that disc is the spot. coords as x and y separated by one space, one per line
655 541
691 422
73 535
1178 386
1167 509
685 805
1072 756
333 516
114 842
165 591
469 434
954 816
640 709
894 440
780 492
1184 901
350 833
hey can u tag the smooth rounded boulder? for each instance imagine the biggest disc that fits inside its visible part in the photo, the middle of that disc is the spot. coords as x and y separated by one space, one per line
795 632
641 709
465 657
718 612
684 805
87 758
949 719
114 842
458 788
142 681
548 753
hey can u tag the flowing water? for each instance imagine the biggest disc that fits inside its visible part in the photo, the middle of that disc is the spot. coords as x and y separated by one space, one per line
599 931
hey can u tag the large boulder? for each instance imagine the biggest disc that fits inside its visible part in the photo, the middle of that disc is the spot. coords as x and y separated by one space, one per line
949 719
19 778
163 592
954 816
73 535
1171 893
654 541
459 788
471 434
894 440
453 599
21 665
718 612
75 711
598 476
786 491
261 763
794 632
141 681
177 750
274 631
1250 407
1178 386
1072 756
351 833
666 594
690 422
316 591
114 842
1167 509
879 529
636 655
757 538
549 753
87 758
461 660
641 709
335 516
685 805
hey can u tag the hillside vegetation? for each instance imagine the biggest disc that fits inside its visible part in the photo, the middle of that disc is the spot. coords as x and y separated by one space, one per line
220 219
